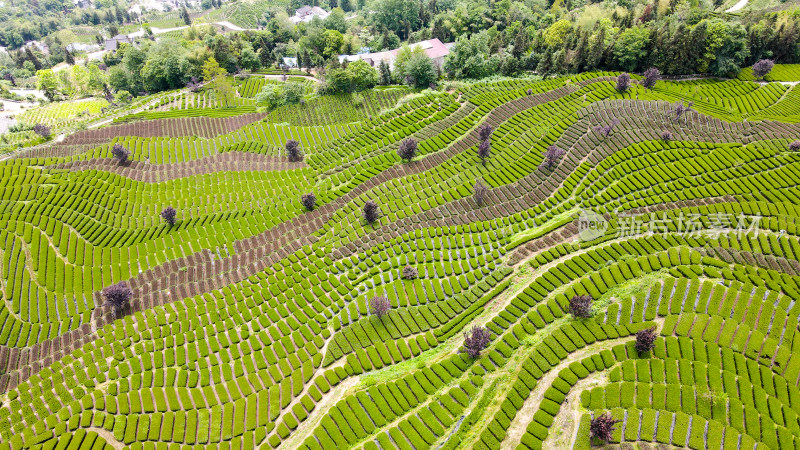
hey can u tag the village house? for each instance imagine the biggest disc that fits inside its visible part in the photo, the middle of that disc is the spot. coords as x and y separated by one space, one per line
307 14
434 48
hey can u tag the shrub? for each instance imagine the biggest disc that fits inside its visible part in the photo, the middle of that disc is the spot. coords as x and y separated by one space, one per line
371 211
117 295
645 340
602 427
795 146
762 68
651 76
379 306
42 130
484 149
408 149
120 153
551 157
169 214
666 135
481 190
309 201
475 341
623 82
409 273
485 132
581 306
293 151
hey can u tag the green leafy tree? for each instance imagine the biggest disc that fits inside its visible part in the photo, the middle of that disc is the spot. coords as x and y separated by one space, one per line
630 49
47 81
167 66
333 41
420 71
335 21
470 58
398 16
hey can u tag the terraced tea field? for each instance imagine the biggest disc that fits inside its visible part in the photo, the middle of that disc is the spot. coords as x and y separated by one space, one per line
253 321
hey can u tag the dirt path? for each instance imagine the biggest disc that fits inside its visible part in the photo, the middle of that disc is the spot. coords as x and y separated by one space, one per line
520 423
108 436
322 408
280 77
741 4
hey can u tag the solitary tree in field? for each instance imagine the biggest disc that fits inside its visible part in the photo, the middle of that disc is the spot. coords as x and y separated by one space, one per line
475 341
42 130
118 295
794 146
762 68
484 151
651 76
485 132
309 201
408 149
602 427
371 211
581 306
606 129
169 215
680 109
410 273
293 151
551 157
379 306
666 135
623 82
645 340
480 192
120 153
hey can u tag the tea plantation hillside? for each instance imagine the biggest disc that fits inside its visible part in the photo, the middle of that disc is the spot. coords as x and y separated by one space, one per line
517 264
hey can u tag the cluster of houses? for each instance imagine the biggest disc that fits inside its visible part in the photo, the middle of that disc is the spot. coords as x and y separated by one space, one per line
433 48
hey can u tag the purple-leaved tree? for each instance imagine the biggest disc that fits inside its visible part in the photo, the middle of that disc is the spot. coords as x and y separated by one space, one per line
485 132
120 153
407 149
762 68
606 129
551 157
680 109
170 215
481 190
309 201
293 151
379 306
42 130
371 211
581 306
409 273
651 77
602 427
475 341
117 295
484 151
794 146
623 82
645 340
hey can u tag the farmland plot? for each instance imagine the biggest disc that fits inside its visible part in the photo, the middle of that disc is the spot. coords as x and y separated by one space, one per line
253 320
